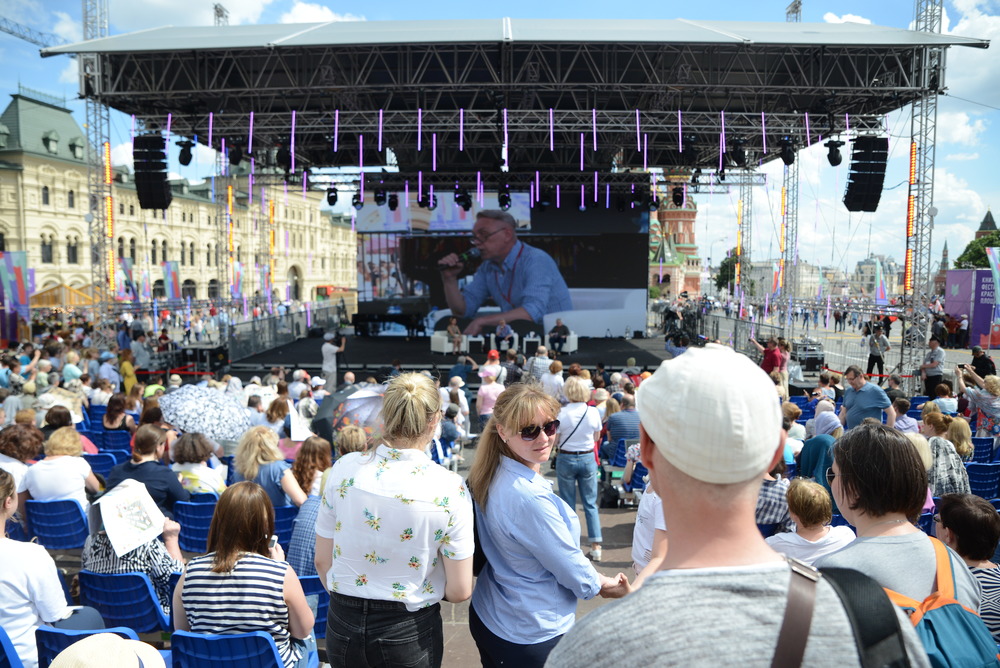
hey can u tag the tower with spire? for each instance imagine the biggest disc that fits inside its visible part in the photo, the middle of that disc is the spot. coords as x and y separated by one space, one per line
988 225
941 277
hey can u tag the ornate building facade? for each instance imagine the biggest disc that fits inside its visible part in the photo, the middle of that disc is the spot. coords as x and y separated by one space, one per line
44 201
674 265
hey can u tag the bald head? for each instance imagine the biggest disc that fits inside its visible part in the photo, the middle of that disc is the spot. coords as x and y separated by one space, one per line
349 377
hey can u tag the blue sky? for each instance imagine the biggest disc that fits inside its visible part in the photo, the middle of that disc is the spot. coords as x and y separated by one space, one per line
968 148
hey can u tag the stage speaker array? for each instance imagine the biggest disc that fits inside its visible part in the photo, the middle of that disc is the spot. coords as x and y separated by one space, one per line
864 182
150 161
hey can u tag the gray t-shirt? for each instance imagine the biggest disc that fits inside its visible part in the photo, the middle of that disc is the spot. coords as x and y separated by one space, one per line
904 564
936 355
714 617
877 344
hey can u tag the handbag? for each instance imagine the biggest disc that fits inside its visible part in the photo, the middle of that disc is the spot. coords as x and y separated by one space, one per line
555 451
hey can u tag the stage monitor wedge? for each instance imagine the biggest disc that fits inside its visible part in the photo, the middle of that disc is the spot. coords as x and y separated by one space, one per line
864 182
150 160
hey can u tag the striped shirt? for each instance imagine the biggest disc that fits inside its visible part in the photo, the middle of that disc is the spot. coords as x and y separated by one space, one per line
989 606
250 598
150 558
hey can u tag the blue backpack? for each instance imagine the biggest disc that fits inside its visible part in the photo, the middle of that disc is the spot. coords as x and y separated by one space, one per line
952 634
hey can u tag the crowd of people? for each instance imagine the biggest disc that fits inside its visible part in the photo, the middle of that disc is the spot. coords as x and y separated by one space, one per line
392 528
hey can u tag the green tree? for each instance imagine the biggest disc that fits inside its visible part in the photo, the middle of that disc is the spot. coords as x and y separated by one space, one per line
727 271
974 255
654 292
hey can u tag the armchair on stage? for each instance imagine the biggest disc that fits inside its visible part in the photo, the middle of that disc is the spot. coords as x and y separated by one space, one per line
440 343
570 345
515 343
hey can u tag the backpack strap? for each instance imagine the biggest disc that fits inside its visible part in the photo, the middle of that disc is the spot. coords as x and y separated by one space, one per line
794 634
944 583
876 627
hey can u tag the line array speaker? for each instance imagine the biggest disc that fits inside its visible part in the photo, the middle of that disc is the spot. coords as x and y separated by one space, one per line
867 176
150 161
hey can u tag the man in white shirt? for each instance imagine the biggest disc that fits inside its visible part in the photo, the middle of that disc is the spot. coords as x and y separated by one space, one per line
332 344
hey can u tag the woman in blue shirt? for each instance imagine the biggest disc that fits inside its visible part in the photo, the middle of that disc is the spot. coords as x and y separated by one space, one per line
259 459
526 594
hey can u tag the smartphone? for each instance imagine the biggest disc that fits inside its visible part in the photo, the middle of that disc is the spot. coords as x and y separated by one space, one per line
963 366
271 543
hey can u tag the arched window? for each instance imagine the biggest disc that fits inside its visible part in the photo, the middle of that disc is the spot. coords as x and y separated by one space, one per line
121 247
45 195
191 253
238 257
208 256
183 256
47 254
158 290
153 253
73 250
71 199
3 243
131 249
189 289
163 250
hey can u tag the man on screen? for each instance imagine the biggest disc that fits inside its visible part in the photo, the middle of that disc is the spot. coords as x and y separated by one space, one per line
523 281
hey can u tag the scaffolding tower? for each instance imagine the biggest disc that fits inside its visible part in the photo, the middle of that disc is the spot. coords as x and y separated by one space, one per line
99 173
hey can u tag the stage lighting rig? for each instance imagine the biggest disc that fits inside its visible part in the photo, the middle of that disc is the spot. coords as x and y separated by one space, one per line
331 195
393 202
503 197
185 157
380 197
834 155
787 150
357 202
235 155
677 196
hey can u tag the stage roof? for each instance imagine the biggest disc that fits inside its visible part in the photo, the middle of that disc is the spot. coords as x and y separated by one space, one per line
568 97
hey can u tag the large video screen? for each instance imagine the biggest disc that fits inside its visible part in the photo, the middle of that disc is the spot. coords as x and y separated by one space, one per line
587 269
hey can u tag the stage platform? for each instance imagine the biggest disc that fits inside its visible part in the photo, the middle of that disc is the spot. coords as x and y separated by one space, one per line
365 355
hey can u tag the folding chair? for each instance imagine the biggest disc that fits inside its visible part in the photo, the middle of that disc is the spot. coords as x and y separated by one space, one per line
124 599
984 479
195 520
247 650
59 524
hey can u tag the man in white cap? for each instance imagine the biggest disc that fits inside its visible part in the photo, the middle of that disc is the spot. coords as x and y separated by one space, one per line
710 428
330 349
318 388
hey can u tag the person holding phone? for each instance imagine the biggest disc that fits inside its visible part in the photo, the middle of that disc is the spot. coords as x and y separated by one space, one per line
244 583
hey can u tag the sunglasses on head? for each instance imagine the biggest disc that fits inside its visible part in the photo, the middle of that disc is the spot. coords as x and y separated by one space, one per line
532 432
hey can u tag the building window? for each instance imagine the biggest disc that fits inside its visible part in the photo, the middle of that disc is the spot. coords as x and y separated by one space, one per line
45 195
183 218
131 248
188 289
163 251
131 209
238 258
191 253
208 257
3 243
121 208
153 253
51 141
47 249
73 250
183 256
76 147
71 199
158 290
121 247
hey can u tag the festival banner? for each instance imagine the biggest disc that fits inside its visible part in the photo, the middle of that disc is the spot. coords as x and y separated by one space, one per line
171 280
14 276
147 290
880 293
775 279
237 287
993 256
130 287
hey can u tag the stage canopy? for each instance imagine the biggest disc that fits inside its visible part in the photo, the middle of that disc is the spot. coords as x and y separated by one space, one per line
568 98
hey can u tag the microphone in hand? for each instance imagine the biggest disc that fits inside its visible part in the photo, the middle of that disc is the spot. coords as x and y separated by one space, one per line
463 258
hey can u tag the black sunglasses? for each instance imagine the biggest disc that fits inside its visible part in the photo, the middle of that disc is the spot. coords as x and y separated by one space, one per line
532 432
830 475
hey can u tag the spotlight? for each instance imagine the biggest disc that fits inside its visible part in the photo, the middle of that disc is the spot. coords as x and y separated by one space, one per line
283 158
696 176
235 155
834 155
787 150
357 202
185 156
433 203
463 199
503 197
393 202
738 153
654 203
430 204
380 197
721 173
331 195
677 196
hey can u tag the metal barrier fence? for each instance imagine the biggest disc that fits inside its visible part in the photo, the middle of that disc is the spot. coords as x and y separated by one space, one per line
256 336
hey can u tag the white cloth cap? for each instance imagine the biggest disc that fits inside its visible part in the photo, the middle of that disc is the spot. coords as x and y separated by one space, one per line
713 414
328 336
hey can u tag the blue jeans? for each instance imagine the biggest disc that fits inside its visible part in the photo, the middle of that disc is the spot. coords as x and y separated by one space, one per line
362 632
573 470
494 651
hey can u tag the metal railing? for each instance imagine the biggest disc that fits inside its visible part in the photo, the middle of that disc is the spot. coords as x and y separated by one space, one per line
262 334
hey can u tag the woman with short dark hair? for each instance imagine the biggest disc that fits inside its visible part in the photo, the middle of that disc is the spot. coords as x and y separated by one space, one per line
970 526
162 483
243 585
115 419
191 455
880 484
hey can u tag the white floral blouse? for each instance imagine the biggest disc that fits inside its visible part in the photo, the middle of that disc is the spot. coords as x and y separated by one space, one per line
392 515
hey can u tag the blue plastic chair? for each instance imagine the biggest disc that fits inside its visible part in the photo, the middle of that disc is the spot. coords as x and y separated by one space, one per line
15 531
204 497
313 585
51 641
125 599
919 399
284 519
926 523
767 530
619 458
59 524
637 483
984 479
195 520
246 650
230 469
8 655
982 449
839 521
101 463
116 440
96 414
995 503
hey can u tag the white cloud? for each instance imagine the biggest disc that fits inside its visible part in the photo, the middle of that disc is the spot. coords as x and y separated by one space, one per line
830 17
957 127
71 73
129 15
121 155
67 27
22 11
962 157
972 72
311 12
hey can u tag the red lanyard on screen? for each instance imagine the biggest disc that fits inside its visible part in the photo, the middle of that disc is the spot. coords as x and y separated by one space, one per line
510 284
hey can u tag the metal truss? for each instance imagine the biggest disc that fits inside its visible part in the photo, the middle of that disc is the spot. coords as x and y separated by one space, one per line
921 209
790 225
101 206
744 247
464 90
